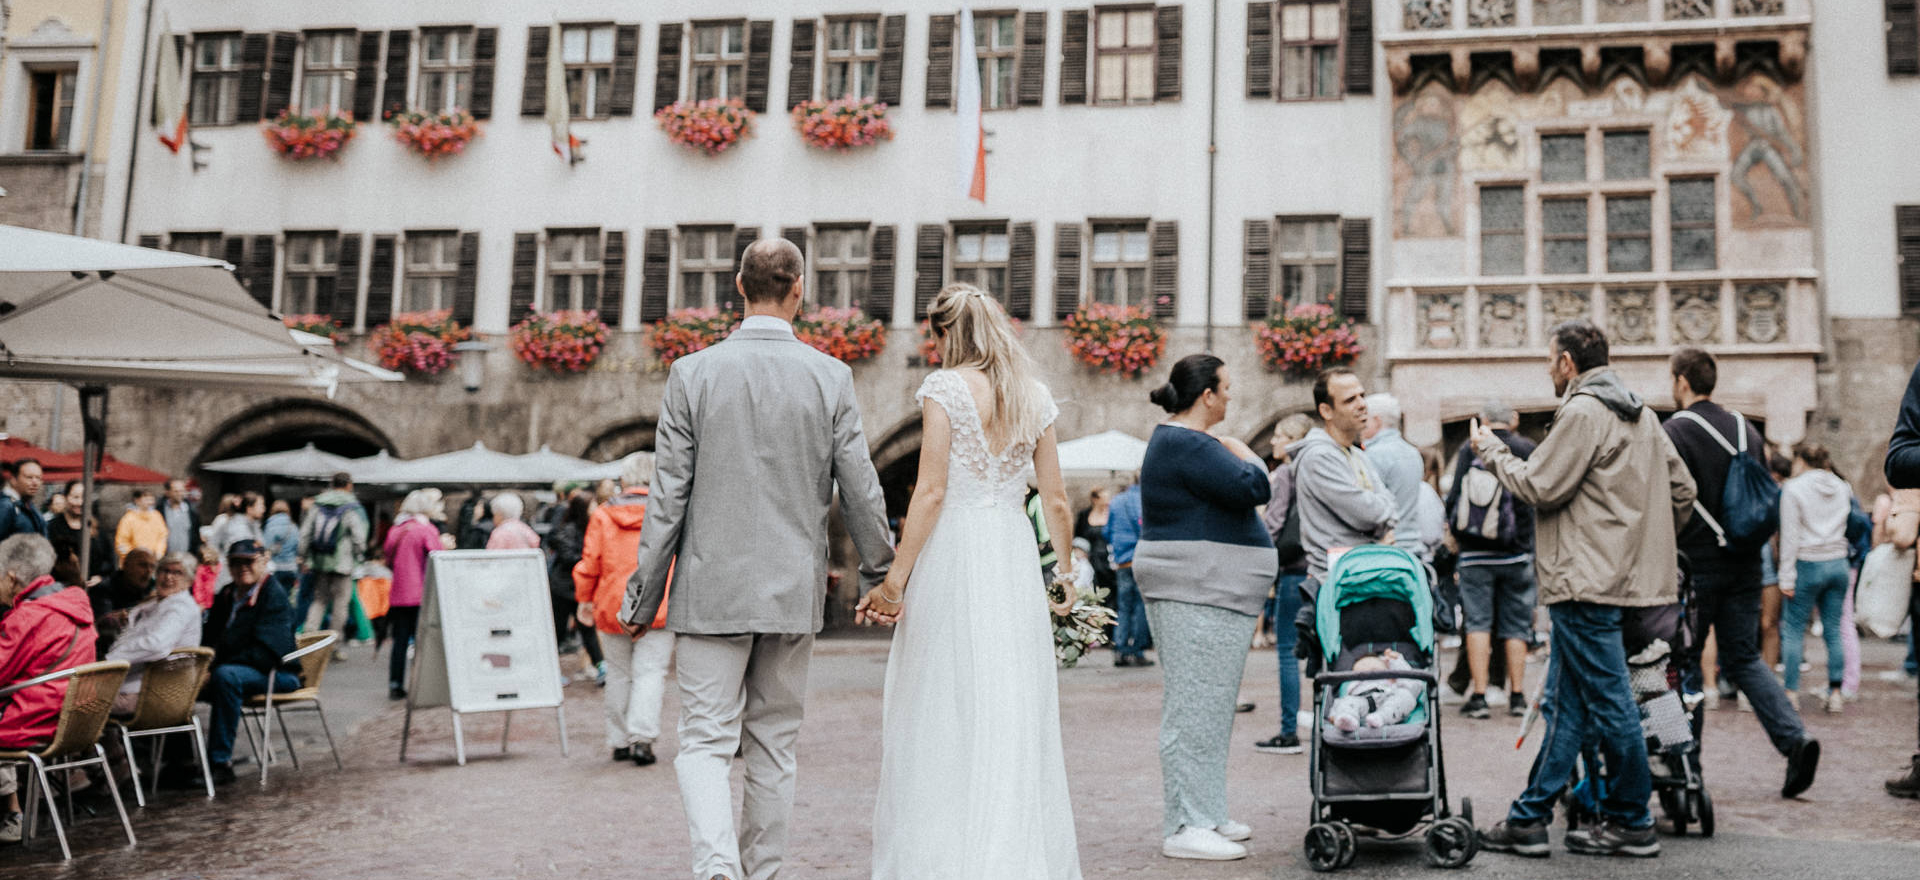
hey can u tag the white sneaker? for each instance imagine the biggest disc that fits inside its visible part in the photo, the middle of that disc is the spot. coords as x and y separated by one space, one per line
1204 844
10 827
1234 831
1836 703
1745 705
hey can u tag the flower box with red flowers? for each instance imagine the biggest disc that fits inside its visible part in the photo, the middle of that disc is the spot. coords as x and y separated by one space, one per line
930 349
685 331
418 342
712 126
563 341
318 325
847 334
1125 340
842 124
1308 338
301 137
434 134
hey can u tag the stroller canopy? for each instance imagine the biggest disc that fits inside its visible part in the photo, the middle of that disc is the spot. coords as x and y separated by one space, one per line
1373 571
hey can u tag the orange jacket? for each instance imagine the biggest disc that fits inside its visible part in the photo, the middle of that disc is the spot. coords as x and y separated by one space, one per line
609 557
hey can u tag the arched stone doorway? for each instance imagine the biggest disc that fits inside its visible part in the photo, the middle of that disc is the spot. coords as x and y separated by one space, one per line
276 426
620 441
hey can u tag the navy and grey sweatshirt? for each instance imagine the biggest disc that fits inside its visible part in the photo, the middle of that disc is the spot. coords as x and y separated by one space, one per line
1201 538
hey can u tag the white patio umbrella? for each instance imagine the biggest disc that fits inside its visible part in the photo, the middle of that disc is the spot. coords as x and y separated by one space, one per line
96 313
474 466
1102 455
374 469
305 463
566 467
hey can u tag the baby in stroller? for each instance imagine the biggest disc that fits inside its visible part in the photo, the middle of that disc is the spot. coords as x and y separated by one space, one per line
1376 702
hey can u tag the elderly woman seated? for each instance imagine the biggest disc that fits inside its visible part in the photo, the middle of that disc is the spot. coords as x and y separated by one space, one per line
166 622
47 628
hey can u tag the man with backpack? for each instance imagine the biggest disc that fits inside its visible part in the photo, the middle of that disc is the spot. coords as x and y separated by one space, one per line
1497 588
333 541
1737 511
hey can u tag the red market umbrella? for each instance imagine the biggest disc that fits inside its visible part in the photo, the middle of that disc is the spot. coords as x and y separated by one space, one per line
14 449
60 467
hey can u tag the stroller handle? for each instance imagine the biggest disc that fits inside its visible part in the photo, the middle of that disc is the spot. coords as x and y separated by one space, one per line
1327 678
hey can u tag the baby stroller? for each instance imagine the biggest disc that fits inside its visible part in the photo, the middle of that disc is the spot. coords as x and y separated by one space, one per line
1389 781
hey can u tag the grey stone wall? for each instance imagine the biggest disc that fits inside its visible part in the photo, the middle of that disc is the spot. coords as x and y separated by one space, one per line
1861 383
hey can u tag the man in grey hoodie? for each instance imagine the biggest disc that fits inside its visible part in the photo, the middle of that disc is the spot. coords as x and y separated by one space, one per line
1342 499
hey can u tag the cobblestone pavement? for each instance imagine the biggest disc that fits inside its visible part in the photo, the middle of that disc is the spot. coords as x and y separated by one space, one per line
531 813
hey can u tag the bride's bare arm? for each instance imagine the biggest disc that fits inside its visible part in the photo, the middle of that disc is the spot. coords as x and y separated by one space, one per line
882 603
1053 502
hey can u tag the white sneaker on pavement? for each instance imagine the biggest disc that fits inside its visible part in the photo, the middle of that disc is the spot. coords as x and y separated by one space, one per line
1836 703
1234 831
1204 844
10 828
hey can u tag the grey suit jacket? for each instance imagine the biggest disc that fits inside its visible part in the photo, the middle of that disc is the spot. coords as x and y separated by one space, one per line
754 433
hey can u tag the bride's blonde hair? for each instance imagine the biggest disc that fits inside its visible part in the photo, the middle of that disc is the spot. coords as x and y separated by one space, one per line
970 330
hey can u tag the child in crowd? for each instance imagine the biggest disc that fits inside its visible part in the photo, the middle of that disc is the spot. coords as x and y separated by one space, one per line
1376 702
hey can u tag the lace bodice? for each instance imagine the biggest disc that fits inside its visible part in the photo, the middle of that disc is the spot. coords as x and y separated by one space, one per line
976 477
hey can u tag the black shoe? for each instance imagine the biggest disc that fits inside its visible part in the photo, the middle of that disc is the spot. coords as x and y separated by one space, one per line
623 754
1609 839
1518 838
1244 708
1517 706
1281 744
1802 761
223 774
643 754
1122 660
1907 786
396 692
1141 660
1476 707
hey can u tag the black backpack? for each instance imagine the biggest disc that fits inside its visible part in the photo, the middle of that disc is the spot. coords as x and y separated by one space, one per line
326 528
1287 544
1750 503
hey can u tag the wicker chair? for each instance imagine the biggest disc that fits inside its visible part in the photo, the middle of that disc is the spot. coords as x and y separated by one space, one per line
167 689
313 653
83 715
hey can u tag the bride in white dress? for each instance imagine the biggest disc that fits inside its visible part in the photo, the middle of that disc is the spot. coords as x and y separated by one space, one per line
973 782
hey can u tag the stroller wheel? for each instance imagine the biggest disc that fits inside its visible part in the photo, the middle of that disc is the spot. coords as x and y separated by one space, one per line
1676 808
1349 844
1702 809
1325 849
1451 843
1466 811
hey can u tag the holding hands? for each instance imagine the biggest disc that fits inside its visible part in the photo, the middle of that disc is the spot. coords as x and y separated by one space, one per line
881 605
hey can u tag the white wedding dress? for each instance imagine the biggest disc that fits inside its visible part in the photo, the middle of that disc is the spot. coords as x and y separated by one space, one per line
973 781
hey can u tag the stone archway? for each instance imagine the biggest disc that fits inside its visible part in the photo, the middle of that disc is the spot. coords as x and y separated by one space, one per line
897 459
278 425
621 440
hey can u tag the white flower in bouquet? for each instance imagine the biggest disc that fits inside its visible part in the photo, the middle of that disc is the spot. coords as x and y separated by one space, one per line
1082 628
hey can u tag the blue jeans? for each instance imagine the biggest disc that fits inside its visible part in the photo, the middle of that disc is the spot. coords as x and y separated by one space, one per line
1822 585
1591 701
1131 635
1281 611
230 684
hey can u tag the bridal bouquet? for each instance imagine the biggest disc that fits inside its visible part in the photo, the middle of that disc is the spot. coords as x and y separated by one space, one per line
1081 629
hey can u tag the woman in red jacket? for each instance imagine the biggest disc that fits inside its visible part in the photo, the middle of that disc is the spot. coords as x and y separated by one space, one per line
411 539
636 668
47 628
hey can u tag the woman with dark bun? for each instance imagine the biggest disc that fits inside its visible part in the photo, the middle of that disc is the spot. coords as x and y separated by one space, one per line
1204 565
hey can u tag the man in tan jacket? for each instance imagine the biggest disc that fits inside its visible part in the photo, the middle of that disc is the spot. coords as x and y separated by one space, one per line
1608 488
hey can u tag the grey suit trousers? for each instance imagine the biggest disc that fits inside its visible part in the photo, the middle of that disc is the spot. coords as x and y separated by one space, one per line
739 692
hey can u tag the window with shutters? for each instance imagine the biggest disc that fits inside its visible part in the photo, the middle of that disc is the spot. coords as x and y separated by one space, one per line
1691 202
1308 259
446 69
706 266
1119 262
50 97
1123 52
215 97
431 267
199 244
841 264
1630 233
1503 230
719 60
313 259
326 71
996 45
1311 33
586 51
1563 224
573 269
853 57
982 257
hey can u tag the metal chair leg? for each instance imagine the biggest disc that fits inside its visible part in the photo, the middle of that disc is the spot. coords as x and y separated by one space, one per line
287 736
253 745
329 732
53 808
114 789
133 767
158 755
200 751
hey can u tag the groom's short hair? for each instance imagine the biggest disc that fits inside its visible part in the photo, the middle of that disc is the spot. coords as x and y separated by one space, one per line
769 268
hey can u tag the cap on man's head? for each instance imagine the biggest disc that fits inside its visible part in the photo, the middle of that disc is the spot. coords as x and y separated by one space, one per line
245 548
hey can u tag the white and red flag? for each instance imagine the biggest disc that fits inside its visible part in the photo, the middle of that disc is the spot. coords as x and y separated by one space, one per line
559 117
170 96
971 136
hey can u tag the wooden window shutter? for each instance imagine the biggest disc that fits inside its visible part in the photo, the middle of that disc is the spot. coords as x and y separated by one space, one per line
1359 47
800 63
666 72
893 50
258 275
526 247
466 283
1066 268
533 89
1031 86
346 282
253 76
1073 56
1020 249
366 79
1256 279
1903 37
798 236
613 278
1907 228
486 44
1259 51
626 69
234 251
880 274
929 266
1165 270
656 274
760 64
393 97
1356 268
1166 74
279 88
380 281
150 241
940 61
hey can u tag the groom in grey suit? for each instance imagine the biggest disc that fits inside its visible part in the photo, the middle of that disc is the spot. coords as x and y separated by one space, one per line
754 434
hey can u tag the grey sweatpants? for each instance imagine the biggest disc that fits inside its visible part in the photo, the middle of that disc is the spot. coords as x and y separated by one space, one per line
1203 653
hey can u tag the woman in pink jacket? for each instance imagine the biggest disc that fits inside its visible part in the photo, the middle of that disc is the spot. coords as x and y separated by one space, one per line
412 538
